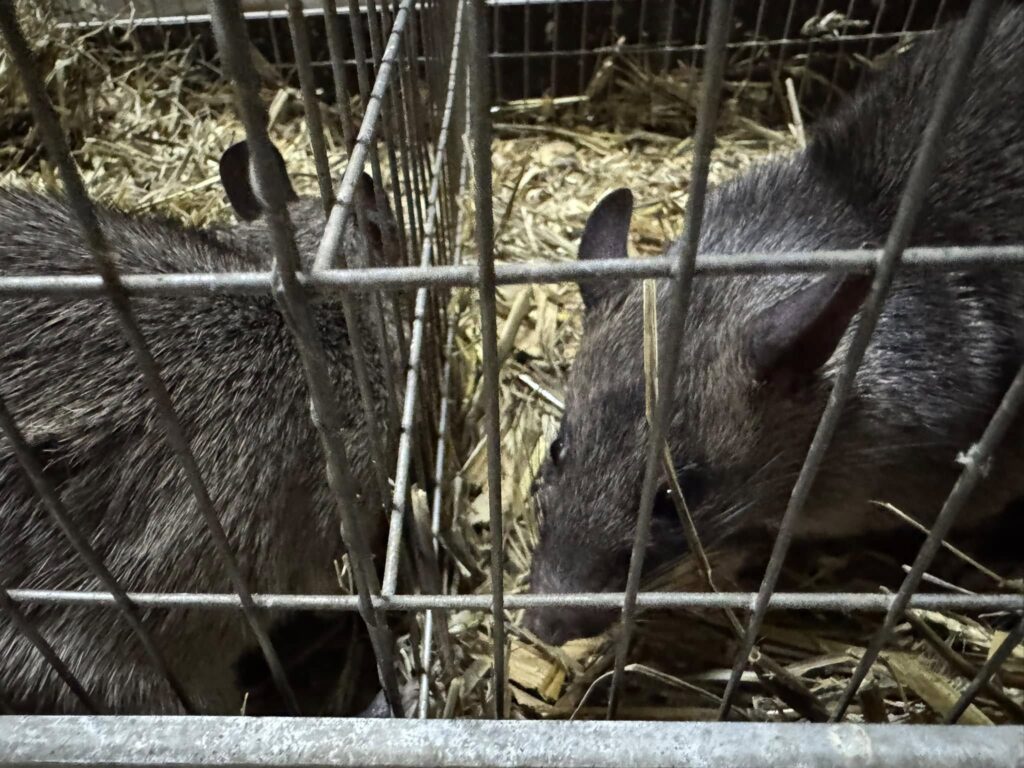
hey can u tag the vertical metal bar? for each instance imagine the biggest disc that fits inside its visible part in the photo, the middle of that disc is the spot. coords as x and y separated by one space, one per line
329 245
28 630
966 47
811 44
386 131
556 10
989 668
389 128
275 46
786 27
497 47
684 253
641 37
55 507
911 9
582 88
60 154
480 126
336 52
314 120
416 347
233 42
975 462
432 615
692 80
526 48
838 58
754 37
871 39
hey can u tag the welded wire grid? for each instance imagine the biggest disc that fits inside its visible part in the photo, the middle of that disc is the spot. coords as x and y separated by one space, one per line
424 72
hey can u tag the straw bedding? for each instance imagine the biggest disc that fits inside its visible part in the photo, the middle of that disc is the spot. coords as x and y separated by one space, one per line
147 129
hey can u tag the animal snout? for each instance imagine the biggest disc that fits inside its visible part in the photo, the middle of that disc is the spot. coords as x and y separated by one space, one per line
556 626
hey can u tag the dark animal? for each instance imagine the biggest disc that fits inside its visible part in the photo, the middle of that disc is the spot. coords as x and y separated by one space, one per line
232 369
759 354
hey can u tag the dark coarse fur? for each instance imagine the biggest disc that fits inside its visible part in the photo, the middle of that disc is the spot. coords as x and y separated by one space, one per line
232 369
749 390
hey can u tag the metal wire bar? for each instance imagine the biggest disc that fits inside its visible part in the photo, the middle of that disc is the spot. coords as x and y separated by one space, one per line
57 148
414 125
684 253
336 53
380 195
480 129
966 46
787 25
350 312
314 120
389 127
975 463
738 45
584 25
29 631
871 43
330 282
233 42
696 48
989 668
789 601
333 233
809 53
360 742
556 10
54 505
401 492
436 501
837 64
526 47
754 35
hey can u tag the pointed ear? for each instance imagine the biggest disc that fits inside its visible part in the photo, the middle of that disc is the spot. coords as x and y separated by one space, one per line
364 195
793 339
237 179
606 236
381 227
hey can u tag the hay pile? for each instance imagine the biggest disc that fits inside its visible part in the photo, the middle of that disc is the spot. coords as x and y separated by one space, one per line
147 129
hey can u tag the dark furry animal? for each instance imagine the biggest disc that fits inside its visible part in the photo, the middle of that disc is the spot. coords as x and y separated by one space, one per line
234 374
760 353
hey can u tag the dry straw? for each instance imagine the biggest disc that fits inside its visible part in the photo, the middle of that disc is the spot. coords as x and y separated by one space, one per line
147 129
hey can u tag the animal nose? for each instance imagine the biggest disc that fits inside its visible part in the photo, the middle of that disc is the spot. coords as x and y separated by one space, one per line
556 626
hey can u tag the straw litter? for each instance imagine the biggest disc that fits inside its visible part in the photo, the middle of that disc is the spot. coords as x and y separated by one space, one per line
147 129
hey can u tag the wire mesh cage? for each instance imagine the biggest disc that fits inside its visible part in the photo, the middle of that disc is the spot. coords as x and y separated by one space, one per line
255 469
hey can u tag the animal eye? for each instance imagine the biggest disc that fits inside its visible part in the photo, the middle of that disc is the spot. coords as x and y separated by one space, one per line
694 484
665 506
556 451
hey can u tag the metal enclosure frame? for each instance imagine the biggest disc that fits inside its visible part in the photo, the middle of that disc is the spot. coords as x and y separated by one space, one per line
422 136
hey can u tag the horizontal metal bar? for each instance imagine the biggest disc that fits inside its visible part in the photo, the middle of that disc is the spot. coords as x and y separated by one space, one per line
195 12
797 601
244 741
758 45
66 287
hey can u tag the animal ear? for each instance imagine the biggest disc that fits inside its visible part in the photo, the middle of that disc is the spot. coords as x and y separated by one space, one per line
793 339
364 195
606 236
381 228
237 179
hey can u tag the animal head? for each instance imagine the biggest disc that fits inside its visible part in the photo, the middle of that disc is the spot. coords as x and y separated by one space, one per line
379 247
749 389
